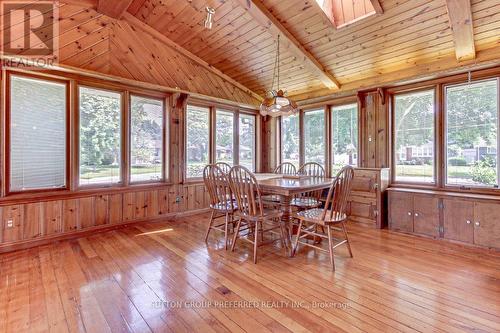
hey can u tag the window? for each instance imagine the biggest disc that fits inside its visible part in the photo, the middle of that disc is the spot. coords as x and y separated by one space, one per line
100 127
224 137
197 140
343 13
344 135
146 139
414 132
314 136
290 140
37 134
472 134
247 141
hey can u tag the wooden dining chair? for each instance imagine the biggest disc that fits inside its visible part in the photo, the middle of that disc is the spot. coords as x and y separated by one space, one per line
221 200
309 200
224 167
285 168
333 216
251 210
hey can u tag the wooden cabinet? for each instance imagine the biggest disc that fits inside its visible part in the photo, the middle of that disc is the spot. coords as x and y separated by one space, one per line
367 199
466 218
426 215
457 220
401 212
487 224
414 213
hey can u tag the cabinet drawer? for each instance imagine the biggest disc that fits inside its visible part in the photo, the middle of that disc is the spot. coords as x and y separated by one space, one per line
364 181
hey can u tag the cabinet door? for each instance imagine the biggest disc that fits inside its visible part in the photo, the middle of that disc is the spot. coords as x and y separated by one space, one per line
487 224
426 215
457 217
401 211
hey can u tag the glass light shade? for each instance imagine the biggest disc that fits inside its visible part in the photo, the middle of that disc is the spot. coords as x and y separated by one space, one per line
278 105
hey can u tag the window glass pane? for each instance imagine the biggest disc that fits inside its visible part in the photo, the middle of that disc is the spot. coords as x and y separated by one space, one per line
247 141
314 136
290 139
197 140
146 139
100 125
345 135
472 133
38 134
414 136
224 139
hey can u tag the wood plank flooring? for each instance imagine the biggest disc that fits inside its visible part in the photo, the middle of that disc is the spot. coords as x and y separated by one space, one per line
162 277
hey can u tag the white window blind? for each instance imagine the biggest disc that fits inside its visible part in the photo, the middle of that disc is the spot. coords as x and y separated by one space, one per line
38 134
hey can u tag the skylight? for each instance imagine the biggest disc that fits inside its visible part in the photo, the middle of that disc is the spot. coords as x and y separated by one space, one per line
345 12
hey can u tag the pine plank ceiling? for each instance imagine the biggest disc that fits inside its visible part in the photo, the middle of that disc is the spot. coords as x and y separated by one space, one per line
407 34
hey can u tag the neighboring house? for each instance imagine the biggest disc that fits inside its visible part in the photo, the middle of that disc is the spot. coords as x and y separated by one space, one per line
472 155
423 153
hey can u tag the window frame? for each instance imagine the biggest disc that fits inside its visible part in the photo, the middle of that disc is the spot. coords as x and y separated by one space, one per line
255 141
236 133
165 170
212 116
444 180
358 118
124 137
327 107
302 140
437 137
7 130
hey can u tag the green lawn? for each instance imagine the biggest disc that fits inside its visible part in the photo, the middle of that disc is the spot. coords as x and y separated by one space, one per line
426 170
105 171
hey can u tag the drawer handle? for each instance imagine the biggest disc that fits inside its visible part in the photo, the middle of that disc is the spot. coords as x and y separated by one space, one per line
416 214
477 224
409 213
468 222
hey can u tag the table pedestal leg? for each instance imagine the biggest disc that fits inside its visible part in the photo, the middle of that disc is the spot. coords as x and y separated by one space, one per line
287 220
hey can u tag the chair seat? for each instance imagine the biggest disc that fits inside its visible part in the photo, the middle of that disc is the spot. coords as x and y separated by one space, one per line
267 214
305 202
314 216
225 206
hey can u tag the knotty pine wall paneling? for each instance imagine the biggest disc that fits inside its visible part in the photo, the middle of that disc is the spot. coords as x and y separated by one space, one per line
374 129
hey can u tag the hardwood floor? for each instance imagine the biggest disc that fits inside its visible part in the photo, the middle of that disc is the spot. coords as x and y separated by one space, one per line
163 277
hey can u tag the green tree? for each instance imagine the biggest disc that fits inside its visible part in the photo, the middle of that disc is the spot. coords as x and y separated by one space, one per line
99 130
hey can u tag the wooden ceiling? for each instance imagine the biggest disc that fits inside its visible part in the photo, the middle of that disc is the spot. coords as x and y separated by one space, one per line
408 33
165 42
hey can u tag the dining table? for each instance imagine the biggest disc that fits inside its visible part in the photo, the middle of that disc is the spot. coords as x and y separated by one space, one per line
286 187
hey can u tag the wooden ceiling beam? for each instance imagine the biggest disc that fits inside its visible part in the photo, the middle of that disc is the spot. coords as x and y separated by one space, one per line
377 6
134 21
113 8
460 16
264 18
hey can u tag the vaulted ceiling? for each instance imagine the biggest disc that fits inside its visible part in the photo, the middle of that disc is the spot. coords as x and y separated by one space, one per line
165 42
408 33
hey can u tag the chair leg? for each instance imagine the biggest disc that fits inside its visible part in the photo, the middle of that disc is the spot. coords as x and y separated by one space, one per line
330 247
209 225
347 239
256 242
297 239
226 225
237 231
